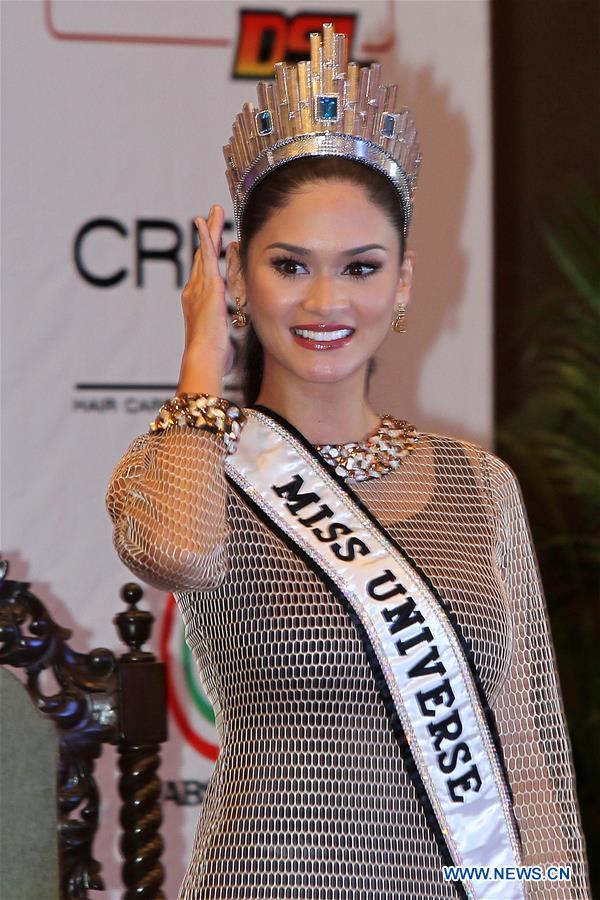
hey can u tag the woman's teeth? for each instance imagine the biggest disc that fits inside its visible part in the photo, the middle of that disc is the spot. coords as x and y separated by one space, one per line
323 336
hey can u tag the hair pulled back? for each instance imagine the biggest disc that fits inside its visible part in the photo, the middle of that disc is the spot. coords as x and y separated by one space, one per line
271 194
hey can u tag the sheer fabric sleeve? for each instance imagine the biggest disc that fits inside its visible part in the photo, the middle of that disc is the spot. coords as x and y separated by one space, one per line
529 709
167 499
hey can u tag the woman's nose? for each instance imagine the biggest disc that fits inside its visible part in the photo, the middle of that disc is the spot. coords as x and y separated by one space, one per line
323 295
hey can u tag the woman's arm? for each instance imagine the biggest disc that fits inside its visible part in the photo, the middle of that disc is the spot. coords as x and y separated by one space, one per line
167 499
529 708
167 495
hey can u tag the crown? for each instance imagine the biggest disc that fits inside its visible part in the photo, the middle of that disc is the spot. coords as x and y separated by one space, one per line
325 106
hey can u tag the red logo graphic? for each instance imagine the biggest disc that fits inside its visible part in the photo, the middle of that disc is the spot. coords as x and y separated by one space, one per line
187 701
267 37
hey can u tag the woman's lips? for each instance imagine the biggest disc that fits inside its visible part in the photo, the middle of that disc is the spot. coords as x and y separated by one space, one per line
313 337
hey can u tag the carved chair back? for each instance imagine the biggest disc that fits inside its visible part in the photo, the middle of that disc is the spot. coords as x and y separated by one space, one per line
101 699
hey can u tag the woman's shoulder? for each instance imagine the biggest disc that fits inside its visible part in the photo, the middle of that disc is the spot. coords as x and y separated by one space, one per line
455 450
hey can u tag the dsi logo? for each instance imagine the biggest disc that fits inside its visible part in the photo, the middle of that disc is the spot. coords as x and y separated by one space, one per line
265 37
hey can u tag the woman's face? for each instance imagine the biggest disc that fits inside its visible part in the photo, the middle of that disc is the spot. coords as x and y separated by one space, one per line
327 265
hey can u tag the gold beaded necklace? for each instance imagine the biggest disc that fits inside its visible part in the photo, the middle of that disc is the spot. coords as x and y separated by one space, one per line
382 452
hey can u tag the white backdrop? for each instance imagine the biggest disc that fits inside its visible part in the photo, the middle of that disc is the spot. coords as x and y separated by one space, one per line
113 117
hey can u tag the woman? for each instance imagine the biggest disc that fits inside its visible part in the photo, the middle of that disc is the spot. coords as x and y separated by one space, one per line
362 599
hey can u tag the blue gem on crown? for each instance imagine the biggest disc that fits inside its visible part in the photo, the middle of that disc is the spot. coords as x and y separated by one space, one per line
327 109
264 122
388 124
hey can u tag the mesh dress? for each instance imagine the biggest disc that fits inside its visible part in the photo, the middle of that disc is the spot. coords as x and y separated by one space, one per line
309 797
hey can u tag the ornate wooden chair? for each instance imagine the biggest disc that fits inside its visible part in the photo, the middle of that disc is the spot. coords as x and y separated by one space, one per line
101 699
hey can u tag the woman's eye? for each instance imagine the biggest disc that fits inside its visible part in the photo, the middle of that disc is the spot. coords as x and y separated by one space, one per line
362 269
287 267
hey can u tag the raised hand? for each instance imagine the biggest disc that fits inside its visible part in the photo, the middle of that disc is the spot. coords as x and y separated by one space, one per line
208 353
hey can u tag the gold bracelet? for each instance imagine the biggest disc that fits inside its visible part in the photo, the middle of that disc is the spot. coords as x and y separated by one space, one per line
205 411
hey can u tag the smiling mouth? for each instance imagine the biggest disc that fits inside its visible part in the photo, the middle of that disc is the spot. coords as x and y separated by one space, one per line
322 336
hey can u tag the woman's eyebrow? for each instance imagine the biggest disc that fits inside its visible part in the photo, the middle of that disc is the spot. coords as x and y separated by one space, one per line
303 251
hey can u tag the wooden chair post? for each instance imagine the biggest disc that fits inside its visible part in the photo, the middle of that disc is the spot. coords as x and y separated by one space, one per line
142 728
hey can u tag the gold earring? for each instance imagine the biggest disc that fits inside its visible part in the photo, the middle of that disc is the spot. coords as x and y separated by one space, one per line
239 319
398 322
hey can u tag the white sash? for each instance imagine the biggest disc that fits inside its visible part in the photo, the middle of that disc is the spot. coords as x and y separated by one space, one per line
419 664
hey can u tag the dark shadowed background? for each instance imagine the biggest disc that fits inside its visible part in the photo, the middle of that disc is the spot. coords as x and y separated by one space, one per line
547 332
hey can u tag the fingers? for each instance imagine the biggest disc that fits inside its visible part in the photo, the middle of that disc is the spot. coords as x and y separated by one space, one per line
216 219
214 222
207 257
197 259
208 251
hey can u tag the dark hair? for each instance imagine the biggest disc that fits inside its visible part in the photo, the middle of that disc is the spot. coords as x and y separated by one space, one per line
271 194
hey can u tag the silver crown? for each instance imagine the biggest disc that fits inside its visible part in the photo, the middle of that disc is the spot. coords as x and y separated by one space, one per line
324 106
